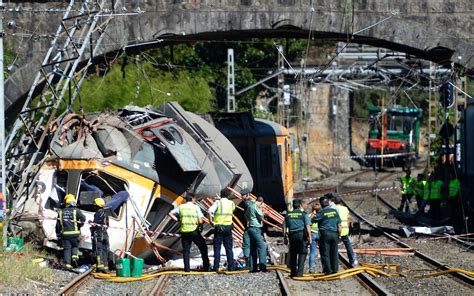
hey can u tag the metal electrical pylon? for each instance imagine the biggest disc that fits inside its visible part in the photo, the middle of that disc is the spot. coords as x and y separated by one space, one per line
76 40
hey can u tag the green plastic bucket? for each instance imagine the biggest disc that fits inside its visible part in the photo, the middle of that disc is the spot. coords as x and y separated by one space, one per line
123 267
14 244
137 268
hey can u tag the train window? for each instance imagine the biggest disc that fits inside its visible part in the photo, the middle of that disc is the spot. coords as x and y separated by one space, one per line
266 160
177 136
96 184
286 147
58 192
168 136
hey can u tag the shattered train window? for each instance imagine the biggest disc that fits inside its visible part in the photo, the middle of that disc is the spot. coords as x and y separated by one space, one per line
95 184
158 217
58 192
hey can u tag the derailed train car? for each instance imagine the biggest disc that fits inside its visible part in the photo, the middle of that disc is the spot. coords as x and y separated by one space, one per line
142 161
265 147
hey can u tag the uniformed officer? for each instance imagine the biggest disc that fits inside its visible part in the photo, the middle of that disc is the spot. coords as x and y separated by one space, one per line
407 184
254 216
345 223
329 224
297 229
314 237
221 214
191 218
68 230
100 237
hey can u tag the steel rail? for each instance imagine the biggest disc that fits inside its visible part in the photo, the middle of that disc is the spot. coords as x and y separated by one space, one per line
366 280
418 254
158 289
73 286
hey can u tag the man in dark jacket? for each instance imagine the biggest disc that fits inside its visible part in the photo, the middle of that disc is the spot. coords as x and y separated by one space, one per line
330 228
297 230
70 221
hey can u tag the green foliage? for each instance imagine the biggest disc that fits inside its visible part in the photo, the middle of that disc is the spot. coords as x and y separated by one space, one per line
145 85
195 75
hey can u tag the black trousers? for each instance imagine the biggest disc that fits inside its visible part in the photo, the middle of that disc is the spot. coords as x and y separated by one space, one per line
298 252
329 251
406 200
223 234
71 247
100 246
194 237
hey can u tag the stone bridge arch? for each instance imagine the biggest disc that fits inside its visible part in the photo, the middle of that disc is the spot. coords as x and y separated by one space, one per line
417 25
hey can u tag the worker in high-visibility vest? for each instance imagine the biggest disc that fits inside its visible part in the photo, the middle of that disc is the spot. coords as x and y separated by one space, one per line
191 218
435 197
426 192
68 229
220 213
345 223
407 184
314 237
454 188
418 189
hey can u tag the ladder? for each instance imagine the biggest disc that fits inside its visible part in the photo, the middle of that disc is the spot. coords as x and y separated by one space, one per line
77 40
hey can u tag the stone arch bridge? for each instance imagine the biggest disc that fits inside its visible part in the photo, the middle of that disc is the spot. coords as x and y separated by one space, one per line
415 27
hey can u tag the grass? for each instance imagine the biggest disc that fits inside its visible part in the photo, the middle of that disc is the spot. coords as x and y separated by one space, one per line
14 271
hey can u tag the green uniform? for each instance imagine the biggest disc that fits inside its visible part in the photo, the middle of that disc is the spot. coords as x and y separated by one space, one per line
295 223
328 220
254 217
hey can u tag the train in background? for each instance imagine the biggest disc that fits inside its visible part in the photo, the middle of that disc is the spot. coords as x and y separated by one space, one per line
265 147
396 130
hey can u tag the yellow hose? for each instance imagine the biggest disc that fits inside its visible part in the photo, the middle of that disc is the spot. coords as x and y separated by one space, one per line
371 269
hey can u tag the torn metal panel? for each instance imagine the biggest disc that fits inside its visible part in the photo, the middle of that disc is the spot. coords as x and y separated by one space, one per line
153 157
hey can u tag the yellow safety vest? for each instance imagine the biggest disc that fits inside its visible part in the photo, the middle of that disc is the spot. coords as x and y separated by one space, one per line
407 185
68 232
314 226
454 187
436 189
344 215
426 190
189 217
223 214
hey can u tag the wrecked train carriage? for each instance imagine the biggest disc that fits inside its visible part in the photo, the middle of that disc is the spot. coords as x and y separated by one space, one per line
142 161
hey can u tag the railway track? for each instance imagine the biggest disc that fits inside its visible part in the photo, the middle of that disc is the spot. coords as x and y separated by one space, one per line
158 288
428 260
74 286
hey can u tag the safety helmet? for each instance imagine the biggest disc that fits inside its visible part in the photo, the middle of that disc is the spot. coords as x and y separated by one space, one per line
100 202
69 199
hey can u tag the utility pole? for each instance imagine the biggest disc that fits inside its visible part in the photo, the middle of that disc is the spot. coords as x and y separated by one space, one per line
2 132
230 81
280 85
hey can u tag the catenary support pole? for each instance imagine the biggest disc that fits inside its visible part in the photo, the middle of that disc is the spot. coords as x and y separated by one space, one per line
2 132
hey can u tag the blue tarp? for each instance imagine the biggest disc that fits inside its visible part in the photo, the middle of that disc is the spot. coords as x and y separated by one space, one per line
117 200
